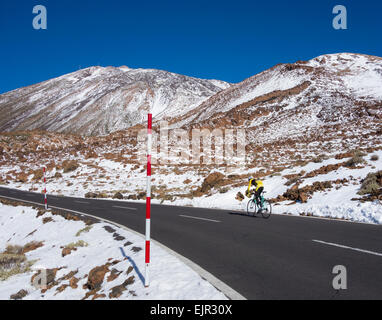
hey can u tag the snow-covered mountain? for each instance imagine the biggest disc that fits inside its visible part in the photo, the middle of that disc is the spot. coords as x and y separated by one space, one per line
97 100
286 100
289 99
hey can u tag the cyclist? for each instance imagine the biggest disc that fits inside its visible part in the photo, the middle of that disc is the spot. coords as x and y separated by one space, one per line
259 189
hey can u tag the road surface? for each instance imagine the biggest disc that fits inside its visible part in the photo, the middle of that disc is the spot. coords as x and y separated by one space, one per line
284 257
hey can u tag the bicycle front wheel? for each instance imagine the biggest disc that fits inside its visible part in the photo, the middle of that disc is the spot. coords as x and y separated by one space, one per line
251 207
267 209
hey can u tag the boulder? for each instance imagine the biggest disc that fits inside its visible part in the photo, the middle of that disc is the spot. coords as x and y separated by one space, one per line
30 246
113 275
50 276
66 251
239 197
91 195
211 181
303 198
118 195
96 276
73 283
58 175
22 177
117 291
70 165
37 175
19 295
141 195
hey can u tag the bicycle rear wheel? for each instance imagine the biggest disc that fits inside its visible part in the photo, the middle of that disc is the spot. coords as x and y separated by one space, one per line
251 207
267 209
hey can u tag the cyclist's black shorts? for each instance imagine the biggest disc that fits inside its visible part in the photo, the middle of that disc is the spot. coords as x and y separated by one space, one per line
259 191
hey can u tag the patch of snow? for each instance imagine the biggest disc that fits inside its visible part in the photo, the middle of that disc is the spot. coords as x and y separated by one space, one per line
170 278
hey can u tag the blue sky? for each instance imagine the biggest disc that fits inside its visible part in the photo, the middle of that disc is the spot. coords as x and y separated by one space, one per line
227 40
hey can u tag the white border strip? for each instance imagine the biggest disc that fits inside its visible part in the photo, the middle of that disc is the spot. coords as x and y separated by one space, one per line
220 285
350 248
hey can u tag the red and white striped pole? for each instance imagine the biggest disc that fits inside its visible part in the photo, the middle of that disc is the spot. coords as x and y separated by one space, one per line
148 198
45 199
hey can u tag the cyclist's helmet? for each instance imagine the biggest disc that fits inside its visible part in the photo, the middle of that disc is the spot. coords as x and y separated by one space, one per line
250 178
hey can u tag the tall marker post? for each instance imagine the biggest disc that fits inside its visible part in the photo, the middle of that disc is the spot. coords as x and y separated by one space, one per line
148 199
45 198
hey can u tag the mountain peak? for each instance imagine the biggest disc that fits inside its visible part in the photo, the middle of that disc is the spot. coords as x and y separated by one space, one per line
100 100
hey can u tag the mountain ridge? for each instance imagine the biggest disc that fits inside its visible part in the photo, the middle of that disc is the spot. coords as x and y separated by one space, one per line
102 100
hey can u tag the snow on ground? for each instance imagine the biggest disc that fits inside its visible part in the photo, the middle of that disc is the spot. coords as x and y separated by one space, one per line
170 278
334 203
331 204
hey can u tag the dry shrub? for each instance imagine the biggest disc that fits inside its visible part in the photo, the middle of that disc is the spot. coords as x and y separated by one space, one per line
371 184
291 181
13 249
13 261
355 160
86 229
319 159
77 244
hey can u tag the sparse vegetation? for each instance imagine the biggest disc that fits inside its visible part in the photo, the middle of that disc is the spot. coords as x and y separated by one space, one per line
292 181
276 174
371 184
13 261
318 159
86 229
356 159
223 190
13 249
66 250
77 244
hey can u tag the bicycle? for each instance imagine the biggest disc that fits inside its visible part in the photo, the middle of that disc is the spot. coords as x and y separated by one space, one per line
254 208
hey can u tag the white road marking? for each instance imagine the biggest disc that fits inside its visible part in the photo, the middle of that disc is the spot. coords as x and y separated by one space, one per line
350 248
128 208
81 202
198 218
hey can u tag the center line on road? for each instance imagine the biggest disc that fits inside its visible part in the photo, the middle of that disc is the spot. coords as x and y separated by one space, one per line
81 202
350 248
128 208
198 218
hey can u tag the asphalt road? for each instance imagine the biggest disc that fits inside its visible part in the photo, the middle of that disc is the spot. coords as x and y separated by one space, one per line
283 257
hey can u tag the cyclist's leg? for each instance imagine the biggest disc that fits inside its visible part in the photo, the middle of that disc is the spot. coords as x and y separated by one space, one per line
258 196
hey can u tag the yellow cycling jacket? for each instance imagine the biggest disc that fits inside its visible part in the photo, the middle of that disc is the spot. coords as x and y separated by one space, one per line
258 184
